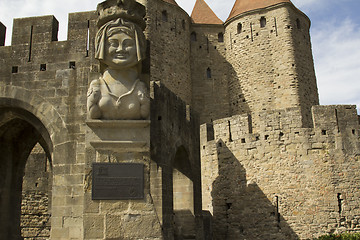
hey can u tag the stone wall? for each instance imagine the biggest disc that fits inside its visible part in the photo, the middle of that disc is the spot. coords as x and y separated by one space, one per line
49 79
2 34
285 181
273 63
175 165
210 72
36 193
168 32
53 78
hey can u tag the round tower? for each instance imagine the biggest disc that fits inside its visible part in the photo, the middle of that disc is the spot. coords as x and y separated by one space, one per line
268 45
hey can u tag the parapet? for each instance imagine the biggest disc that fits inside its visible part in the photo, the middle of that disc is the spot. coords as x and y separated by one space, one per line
336 118
35 30
44 29
239 127
338 124
2 34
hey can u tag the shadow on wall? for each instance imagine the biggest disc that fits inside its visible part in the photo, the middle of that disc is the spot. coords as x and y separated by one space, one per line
214 95
240 208
183 196
175 172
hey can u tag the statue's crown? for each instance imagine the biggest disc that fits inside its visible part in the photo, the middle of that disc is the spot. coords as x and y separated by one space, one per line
126 9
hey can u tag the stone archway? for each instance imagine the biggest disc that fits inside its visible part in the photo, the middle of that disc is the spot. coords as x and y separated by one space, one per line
20 131
183 196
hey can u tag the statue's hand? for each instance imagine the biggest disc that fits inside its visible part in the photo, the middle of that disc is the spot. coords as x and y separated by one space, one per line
93 97
94 91
144 99
143 95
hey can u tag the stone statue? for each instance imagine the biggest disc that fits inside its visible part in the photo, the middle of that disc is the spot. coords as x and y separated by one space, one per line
120 47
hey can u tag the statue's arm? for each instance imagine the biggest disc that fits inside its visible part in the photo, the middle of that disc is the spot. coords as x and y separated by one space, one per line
144 99
93 98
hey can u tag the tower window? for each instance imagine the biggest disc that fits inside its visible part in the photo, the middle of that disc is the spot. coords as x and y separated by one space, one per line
183 24
298 24
72 65
193 37
208 73
221 37
42 67
262 22
15 69
164 16
239 28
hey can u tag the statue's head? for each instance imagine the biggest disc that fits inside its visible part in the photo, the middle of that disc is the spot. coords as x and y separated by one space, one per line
120 41
120 44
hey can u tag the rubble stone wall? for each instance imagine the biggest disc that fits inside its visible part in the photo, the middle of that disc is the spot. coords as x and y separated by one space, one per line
49 79
168 32
273 65
284 181
210 72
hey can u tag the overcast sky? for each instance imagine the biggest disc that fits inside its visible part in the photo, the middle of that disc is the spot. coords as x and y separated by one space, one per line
335 34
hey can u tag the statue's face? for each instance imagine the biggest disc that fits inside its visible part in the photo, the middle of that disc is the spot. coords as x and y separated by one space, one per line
120 51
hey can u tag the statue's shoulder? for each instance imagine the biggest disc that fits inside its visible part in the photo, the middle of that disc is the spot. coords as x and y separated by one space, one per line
95 82
141 85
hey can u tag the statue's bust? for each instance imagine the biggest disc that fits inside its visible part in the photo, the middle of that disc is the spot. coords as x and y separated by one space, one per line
120 47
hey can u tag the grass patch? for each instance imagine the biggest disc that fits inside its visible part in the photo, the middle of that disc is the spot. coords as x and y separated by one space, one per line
343 236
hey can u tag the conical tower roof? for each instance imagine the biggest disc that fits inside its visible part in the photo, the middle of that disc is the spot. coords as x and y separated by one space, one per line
171 2
242 6
202 14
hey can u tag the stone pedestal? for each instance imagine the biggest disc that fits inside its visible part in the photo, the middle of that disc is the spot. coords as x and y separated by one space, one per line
119 144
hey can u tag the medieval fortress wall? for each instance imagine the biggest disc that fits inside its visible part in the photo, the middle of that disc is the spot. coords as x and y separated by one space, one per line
274 164
285 178
284 165
51 76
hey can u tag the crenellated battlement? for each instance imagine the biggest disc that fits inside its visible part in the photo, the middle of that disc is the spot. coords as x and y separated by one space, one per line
2 34
34 30
335 118
36 55
44 29
336 124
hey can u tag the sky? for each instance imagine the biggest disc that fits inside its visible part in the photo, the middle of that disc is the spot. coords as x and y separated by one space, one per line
335 36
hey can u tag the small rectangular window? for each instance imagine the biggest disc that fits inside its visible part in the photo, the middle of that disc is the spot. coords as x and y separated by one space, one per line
193 37
239 28
72 65
262 22
208 73
164 16
183 24
221 37
42 67
15 69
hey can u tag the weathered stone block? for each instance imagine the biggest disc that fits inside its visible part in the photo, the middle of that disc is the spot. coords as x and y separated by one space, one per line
93 227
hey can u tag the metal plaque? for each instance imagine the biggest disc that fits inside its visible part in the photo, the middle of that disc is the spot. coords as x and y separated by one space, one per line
117 181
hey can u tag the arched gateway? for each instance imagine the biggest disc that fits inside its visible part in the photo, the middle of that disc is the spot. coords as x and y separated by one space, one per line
22 126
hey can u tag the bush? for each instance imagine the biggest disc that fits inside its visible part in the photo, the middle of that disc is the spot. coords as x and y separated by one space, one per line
344 236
